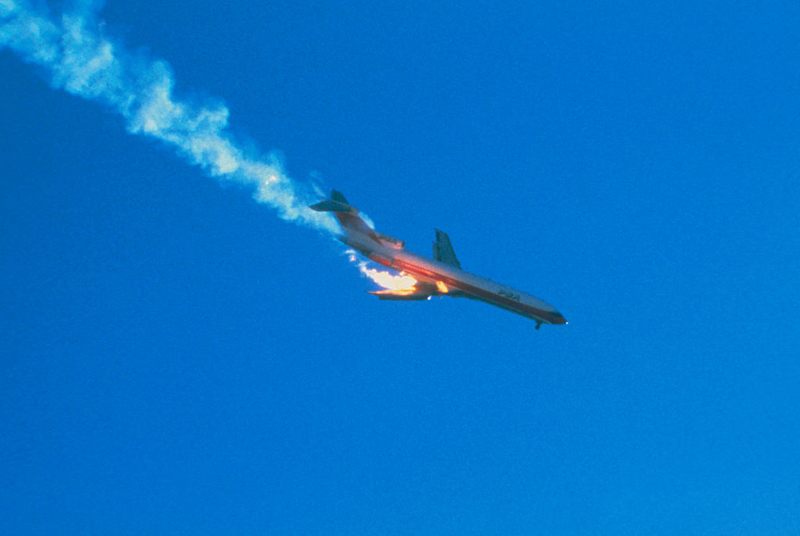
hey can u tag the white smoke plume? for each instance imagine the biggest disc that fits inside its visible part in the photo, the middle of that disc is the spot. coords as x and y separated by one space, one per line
75 55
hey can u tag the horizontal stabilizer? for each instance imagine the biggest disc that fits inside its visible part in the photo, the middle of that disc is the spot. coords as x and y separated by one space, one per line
330 205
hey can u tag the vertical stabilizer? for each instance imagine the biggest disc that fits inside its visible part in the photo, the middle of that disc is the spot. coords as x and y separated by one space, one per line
338 197
443 250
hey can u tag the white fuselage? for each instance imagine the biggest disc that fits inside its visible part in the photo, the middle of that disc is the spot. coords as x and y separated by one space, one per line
452 281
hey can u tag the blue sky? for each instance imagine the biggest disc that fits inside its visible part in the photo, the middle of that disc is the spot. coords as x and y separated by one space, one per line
178 359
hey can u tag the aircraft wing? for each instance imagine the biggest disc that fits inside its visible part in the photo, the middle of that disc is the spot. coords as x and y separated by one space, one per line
443 250
401 295
421 291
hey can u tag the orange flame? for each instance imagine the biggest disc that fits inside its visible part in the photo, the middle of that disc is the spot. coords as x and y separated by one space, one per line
387 280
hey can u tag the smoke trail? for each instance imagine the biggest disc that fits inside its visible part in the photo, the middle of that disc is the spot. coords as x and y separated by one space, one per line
76 57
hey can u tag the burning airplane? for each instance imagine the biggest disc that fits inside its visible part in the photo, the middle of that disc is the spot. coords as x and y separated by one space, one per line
424 278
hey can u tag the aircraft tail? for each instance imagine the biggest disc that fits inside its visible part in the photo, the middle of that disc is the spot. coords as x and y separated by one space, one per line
352 222
347 215
336 203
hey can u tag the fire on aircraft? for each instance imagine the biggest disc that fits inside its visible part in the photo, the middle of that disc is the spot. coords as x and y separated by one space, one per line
424 278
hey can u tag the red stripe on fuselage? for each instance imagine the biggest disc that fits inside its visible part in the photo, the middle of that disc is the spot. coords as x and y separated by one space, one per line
362 238
482 294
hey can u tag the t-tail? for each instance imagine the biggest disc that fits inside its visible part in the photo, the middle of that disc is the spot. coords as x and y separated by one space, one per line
337 203
347 214
352 222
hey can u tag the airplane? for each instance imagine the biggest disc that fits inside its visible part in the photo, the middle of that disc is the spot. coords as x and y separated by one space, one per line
440 276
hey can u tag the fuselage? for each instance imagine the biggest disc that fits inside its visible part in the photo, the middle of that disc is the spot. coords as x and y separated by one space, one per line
452 281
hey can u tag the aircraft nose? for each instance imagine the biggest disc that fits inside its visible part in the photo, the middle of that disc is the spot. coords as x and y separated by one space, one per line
559 319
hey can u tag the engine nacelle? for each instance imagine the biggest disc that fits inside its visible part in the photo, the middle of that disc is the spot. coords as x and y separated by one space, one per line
390 241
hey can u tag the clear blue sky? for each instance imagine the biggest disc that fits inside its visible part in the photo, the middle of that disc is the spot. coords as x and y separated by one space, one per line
176 359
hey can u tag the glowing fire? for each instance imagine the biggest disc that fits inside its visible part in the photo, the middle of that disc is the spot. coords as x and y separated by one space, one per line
387 280
442 287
